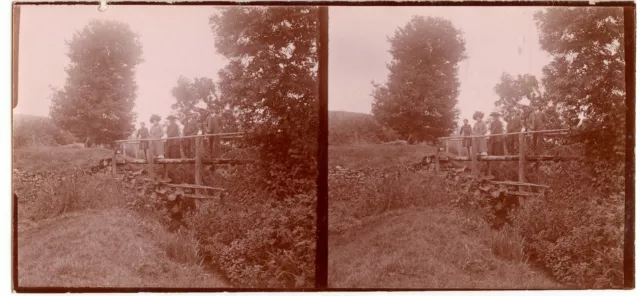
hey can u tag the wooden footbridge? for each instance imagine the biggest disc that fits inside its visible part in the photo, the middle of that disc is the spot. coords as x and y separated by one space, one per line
199 160
522 157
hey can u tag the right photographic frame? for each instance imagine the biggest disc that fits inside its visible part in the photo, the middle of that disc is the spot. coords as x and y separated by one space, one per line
481 147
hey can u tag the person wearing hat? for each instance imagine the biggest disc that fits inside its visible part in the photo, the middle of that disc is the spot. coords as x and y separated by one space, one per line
497 138
514 125
536 122
480 129
190 129
156 133
173 145
142 134
466 131
212 126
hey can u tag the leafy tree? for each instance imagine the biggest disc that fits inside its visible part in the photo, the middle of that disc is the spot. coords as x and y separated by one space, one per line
271 84
97 99
419 98
512 90
587 77
199 97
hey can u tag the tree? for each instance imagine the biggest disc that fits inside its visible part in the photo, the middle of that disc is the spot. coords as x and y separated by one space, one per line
271 84
512 90
587 77
419 97
97 99
199 97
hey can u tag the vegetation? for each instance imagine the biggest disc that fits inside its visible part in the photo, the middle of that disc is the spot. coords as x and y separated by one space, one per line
78 230
36 131
346 128
419 97
265 236
97 99
197 98
388 222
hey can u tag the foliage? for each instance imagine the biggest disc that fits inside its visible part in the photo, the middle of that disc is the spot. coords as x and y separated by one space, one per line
271 83
39 131
97 99
257 239
587 77
198 98
357 128
576 230
419 97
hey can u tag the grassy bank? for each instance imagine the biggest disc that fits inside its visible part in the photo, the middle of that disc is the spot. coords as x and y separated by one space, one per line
76 230
394 228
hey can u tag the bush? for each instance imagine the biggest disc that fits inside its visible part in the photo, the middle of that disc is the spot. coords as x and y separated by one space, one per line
576 230
259 239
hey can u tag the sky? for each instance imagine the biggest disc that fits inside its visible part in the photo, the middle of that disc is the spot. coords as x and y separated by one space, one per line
498 39
177 40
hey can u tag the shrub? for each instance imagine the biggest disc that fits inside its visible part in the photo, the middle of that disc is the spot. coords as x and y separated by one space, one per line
258 239
576 230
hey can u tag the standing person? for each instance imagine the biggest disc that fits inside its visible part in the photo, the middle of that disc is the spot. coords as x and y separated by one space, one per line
156 133
514 125
466 131
480 129
142 135
536 122
190 129
212 125
173 145
497 147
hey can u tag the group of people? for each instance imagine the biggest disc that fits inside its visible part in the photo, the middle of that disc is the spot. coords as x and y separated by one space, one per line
150 139
497 141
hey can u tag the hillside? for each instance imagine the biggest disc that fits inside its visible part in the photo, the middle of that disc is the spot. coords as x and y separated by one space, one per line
391 227
31 130
357 128
78 229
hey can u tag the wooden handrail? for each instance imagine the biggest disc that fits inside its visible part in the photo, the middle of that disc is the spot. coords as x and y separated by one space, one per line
220 135
505 134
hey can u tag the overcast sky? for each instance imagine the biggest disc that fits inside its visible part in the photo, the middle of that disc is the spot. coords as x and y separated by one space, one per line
178 41
497 39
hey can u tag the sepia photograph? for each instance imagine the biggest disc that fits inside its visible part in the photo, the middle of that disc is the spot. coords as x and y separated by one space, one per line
480 147
165 146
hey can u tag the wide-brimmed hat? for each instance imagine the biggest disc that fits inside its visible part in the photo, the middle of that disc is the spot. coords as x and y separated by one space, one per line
477 115
155 117
495 114
171 117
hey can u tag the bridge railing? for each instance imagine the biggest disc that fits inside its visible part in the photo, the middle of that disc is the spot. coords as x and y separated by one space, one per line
198 160
521 157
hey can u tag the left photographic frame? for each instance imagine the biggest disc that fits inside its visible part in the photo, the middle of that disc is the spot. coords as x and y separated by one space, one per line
167 147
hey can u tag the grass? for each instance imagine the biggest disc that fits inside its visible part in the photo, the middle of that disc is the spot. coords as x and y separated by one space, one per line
377 155
97 241
403 233
57 158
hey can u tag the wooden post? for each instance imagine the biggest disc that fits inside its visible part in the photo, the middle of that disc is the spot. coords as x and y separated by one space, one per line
474 157
522 160
198 177
113 160
438 156
150 158
460 148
